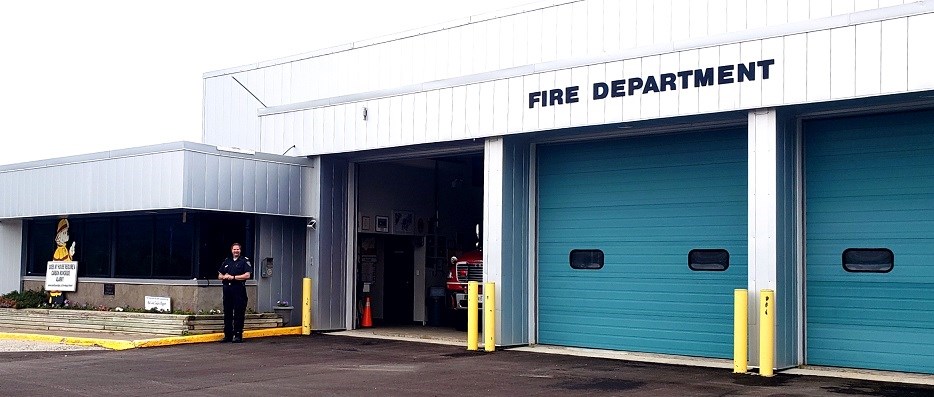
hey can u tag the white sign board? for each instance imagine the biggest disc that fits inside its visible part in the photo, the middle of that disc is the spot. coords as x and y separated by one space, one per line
61 276
160 303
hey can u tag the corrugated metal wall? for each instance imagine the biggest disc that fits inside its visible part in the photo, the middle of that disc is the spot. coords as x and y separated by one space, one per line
124 183
283 240
638 38
174 175
544 32
514 289
229 113
788 296
329 268
243 185
11 254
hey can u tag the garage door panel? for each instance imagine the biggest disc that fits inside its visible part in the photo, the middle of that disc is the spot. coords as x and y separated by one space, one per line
646 203
870 184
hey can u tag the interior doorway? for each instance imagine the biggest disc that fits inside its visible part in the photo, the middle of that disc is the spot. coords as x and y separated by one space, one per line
399 269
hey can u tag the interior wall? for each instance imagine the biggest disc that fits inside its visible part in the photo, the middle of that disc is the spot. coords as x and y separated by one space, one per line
387 187
460 201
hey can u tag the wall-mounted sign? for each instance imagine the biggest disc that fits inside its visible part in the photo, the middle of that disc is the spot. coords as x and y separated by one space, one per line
61 276
159 303
684 79
110 289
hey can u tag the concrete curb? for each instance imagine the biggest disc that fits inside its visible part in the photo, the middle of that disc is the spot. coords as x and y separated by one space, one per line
112 344
116 344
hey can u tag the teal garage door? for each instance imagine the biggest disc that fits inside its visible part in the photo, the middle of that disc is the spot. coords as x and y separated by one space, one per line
644 203
870 187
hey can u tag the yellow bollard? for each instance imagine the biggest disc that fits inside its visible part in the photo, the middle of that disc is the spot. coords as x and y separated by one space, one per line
473 297
740 331
306 306
766 332
489 317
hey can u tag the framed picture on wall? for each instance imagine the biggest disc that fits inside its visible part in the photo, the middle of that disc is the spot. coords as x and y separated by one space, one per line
382 223
365 223
403 222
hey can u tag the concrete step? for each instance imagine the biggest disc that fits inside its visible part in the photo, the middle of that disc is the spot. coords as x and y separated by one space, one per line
150 323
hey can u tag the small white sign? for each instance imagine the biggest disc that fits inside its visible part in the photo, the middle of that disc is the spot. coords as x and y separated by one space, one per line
160 303
61 276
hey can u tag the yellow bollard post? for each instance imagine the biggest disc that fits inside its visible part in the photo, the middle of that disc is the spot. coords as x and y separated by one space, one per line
306 306
766 332
740 331
473 297
489 317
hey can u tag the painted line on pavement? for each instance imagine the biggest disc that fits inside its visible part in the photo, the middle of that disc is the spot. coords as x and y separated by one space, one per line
116 344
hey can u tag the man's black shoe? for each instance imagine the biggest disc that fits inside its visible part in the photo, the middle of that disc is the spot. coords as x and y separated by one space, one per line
237 339
227 339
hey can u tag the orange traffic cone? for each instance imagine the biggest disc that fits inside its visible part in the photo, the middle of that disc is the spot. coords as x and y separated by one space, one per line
367 315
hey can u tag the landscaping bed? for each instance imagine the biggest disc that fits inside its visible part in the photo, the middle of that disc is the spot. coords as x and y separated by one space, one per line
135 322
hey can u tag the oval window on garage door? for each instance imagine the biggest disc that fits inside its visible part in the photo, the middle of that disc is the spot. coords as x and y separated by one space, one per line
586 259
708 260
868 260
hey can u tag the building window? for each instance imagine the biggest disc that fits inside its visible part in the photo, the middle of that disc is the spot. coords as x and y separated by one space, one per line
134 247
586 259
708 260
161 246
173 247
868 260
93 251
40 246
218 232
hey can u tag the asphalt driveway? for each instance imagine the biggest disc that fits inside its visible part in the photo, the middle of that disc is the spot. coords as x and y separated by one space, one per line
345 366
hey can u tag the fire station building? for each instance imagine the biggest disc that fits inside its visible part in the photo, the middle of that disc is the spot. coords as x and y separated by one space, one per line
623 165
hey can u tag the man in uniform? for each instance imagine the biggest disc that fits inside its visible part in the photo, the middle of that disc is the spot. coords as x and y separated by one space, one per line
233 273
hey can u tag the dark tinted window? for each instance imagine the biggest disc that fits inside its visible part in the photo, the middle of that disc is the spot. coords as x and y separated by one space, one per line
142 246
134 246
93 250
40 246
868 260
174 245
218 232
708 260
589 259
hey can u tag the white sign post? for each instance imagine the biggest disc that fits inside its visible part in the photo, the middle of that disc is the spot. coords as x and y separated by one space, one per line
61 276
160 303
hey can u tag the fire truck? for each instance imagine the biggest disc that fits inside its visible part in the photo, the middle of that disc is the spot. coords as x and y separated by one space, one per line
464 268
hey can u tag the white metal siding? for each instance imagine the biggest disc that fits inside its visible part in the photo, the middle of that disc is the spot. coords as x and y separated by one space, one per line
547 32
816 66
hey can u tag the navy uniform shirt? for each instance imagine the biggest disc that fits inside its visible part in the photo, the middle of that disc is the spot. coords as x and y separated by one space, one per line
235 268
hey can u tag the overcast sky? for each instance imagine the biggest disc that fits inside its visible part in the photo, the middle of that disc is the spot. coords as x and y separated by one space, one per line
88 76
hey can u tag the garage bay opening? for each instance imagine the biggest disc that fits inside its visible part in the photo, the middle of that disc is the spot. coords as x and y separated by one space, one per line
412 217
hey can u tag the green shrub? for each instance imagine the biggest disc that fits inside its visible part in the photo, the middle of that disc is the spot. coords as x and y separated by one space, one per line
25 299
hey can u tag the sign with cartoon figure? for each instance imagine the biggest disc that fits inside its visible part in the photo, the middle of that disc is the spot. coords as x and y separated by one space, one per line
61 240
61 272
